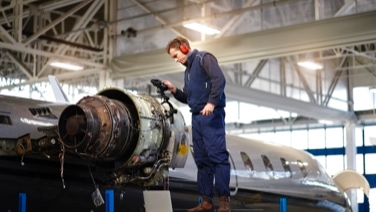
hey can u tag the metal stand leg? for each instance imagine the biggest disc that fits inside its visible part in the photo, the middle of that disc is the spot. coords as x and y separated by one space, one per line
166 183
283 204
22 202
110 201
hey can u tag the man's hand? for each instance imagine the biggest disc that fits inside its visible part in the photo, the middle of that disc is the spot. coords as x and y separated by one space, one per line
171 87
208 109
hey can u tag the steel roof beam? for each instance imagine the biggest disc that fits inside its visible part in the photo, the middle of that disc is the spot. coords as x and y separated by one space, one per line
271 100
56 21
21 48
319 35
266 99
19 63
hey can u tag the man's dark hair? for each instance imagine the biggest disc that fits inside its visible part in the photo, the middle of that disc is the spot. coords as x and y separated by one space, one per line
176 42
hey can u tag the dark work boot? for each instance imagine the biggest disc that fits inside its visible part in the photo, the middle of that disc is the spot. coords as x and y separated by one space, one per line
206 205
224 204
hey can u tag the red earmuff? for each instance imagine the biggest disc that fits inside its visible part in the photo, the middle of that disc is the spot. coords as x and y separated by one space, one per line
183 47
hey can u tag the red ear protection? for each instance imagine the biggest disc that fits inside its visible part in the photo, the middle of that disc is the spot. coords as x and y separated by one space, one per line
183 47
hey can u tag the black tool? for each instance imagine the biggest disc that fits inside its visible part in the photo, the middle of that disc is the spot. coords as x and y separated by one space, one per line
161 88
158 83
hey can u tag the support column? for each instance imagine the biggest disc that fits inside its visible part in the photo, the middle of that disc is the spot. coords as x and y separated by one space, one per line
105 79
351 159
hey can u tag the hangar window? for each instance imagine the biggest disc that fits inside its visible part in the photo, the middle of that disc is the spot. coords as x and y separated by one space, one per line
322 160
359 136
316 138
335 164
299 139
360 163
370 136
5 120
370 167
334 137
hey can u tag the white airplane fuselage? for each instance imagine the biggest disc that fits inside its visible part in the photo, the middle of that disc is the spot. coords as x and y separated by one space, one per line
258 167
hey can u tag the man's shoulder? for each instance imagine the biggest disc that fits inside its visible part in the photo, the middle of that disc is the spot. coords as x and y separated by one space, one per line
209 57
205 56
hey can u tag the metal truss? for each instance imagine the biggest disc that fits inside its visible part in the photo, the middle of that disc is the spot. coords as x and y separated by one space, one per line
35 33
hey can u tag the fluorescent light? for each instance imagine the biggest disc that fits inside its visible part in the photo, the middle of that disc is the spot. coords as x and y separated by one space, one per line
310 65
322 121
201 28
68 66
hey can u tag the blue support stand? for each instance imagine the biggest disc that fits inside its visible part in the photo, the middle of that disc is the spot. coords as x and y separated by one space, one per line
22 202
283 204
199 200
110 201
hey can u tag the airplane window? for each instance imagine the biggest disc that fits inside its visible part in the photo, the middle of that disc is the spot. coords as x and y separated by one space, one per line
302 168
5 120
268 165
286 166
44 112
33 111
247 161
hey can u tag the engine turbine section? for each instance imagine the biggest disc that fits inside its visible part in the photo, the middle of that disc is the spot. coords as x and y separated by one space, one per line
137 137
97 128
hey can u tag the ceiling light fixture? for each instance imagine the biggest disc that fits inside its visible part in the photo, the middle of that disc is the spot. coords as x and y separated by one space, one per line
201 28
310 65
322 121
68 66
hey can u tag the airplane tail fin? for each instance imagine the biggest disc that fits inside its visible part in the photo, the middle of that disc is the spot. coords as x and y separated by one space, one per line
57 89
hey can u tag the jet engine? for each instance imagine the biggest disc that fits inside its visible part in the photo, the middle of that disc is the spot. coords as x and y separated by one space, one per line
136 136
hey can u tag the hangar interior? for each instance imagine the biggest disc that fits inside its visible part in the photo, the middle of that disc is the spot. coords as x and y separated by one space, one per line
328 111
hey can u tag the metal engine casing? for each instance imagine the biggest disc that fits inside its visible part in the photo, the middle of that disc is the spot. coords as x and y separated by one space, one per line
135 134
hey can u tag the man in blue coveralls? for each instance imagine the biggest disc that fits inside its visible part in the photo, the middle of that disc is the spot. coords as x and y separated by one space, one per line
203 91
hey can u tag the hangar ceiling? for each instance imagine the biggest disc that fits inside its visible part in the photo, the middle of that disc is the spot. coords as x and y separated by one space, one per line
260 42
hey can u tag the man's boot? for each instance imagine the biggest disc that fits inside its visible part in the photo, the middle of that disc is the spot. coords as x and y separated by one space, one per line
224 204
205 205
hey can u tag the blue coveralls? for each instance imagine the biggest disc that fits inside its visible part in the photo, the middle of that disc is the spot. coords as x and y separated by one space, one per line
204 82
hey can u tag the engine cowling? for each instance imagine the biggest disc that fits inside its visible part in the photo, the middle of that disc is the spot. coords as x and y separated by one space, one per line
137 136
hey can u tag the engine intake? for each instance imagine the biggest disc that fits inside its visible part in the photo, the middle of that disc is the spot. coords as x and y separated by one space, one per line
98 128
136 136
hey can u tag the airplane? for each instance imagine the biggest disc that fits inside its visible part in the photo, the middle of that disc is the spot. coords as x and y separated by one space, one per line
58 153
